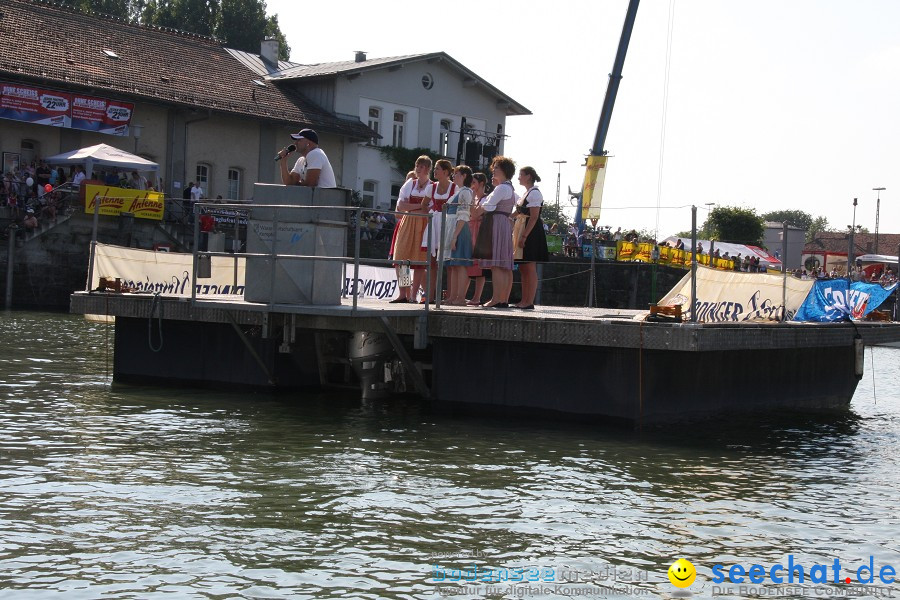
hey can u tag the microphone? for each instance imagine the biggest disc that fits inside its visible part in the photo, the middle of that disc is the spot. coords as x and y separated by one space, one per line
289 149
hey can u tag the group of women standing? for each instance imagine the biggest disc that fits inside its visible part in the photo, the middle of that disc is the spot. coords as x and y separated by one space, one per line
481 231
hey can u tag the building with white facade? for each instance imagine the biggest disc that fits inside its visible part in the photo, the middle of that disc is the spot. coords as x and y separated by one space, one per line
416 101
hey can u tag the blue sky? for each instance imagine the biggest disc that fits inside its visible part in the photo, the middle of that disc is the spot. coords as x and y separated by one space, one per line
771 104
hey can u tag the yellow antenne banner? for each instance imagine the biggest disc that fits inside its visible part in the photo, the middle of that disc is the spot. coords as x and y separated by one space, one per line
594 176
116 200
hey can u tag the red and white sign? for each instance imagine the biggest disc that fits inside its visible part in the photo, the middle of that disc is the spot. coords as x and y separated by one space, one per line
35 105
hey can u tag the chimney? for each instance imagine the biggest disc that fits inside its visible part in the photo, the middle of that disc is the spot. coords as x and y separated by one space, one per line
360 56
269 51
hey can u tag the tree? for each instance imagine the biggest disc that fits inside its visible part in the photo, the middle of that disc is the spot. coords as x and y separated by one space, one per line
735 224
116 8
818 224
795 218
243 25
550 214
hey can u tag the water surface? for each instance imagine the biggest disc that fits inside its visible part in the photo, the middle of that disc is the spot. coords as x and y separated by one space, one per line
137 492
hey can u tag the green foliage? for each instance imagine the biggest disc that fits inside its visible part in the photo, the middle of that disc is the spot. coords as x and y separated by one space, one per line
735 224
551 215
240 24
405 158
796 218
818 224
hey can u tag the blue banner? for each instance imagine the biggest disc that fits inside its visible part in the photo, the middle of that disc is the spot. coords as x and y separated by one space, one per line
839 300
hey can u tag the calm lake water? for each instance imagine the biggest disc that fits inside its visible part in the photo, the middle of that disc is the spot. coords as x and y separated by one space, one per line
109 490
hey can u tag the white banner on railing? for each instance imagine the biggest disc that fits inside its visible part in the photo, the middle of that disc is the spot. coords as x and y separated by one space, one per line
724 296
377 283
168 273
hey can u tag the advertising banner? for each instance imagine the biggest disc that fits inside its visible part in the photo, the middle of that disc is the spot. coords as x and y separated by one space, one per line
374 283
101 115
35 105
839 300
116 200
166 273
594 177
724 296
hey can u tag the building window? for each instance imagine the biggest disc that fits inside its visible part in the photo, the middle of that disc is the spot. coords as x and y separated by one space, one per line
427 81
395 194
29 151
234 184
369 194
399 123
444 138
203 179
375 123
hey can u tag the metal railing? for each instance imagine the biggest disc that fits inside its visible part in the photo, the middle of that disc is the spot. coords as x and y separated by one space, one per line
280 211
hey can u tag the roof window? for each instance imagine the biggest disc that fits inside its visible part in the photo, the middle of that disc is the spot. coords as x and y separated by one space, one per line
110 53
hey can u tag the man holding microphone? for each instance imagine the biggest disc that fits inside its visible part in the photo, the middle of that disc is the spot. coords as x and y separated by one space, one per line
312 169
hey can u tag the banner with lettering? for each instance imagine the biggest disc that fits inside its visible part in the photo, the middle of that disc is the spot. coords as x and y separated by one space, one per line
838 300
35 105
101 115
724 296
115 200
377 283
40 106
592 193
167 273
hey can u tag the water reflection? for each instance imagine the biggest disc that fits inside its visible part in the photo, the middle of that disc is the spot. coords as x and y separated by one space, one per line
124 490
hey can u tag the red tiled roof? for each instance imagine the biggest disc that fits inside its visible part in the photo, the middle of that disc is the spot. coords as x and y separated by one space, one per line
839 243
54 46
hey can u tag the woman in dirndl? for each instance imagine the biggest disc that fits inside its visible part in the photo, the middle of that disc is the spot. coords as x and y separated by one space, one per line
460 240
443 190
413 200
529 239
479 183
494 247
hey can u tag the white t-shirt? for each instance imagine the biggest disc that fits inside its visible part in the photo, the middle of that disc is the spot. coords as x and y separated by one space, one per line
79 177
196 193
316 159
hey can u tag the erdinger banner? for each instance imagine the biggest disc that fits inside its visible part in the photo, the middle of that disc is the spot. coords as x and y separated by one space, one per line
377 283
166 273
115 200
35 105
730 296
838 300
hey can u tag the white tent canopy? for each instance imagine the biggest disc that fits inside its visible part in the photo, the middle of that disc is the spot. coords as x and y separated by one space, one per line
877 258
104 156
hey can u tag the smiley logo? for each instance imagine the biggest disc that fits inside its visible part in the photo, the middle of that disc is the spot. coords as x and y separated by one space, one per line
682 573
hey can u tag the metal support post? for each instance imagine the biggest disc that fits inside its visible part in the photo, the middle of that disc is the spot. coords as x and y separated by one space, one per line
90 279
356 257
693 264
10 264
784 241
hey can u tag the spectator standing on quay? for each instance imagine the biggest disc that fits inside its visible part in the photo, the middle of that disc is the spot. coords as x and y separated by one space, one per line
30 222
78 177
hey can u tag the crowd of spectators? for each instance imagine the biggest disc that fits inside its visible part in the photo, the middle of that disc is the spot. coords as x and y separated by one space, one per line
880 275
34 192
